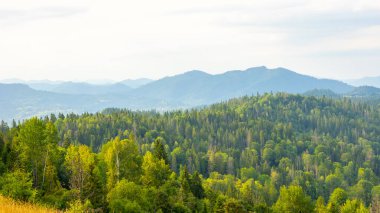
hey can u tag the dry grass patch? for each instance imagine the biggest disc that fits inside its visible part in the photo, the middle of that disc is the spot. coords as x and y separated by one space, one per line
9 205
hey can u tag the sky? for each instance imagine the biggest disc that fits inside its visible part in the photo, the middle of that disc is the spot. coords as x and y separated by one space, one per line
117 40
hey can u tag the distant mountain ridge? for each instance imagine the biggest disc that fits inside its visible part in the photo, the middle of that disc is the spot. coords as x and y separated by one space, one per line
202 88
364 91
71 87
190 89
357 92
322 93
367 81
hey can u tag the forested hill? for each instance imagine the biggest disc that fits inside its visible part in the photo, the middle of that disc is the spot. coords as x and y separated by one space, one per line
275 152
277 117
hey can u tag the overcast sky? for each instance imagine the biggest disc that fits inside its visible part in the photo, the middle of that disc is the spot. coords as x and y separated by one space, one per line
82 40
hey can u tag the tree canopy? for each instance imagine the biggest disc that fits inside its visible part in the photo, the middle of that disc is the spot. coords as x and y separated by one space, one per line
271 152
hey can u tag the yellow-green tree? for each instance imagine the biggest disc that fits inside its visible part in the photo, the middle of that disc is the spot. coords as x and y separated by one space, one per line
123 161
36 145
320 205
353 206
155 171
337 198
79 161
293 199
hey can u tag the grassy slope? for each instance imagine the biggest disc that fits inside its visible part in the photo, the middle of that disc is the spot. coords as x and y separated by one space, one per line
9 205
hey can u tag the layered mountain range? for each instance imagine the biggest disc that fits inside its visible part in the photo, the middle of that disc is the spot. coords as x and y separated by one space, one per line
191 89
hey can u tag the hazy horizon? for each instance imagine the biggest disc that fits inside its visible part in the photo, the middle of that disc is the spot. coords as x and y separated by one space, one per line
83 40
111 81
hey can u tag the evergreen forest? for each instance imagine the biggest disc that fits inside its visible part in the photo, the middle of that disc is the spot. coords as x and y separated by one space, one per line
263 153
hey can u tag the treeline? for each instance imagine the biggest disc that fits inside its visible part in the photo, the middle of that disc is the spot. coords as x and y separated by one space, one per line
269 153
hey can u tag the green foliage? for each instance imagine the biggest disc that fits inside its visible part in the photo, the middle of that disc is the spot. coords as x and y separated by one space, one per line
155 171
78 206
122 159
293 199
17 185
60 199
272 152
233 205
159 150
196 186
126 197
247 173
363 190
337 198
375 205
320 206
354 206
79 161
36 145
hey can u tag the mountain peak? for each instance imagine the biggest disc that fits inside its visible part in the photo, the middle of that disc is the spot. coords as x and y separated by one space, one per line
266 69
196 72
257 68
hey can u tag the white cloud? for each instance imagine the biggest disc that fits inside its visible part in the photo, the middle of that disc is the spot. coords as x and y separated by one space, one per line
76 39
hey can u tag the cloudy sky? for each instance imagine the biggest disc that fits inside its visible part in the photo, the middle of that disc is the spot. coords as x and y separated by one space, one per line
87 40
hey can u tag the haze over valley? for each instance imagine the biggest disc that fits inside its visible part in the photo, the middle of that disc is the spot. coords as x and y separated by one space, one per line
24 99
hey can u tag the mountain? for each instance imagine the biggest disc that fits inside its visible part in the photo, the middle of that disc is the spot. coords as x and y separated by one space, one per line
197 87
191 89
19 101
80 88
364 91
135 83
322 93
367 81
368 94
44 85
68 87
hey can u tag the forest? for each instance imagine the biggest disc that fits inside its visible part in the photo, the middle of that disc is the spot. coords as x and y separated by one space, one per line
262 153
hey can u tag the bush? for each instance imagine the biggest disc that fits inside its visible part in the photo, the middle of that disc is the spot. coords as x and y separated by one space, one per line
17 185
60 199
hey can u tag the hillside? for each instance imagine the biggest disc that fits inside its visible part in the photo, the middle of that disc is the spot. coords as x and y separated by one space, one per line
279 108
19 101
322 93
245 154
364 91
